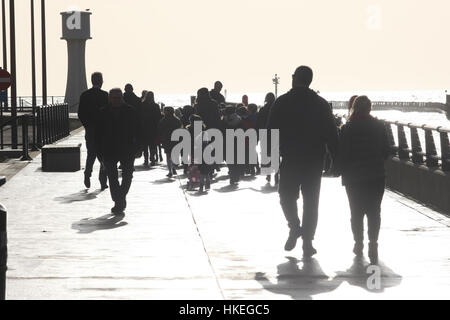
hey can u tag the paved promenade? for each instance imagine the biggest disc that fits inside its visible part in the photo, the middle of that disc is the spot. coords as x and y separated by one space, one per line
172 244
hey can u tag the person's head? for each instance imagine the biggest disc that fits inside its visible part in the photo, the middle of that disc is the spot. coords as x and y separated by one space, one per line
218 86
350 104
361 108
144 92
128 88
149 97
302 77
115 97
187 110
245 100
203 95
169 111
242 112
97 79
270 99
229 110
252 108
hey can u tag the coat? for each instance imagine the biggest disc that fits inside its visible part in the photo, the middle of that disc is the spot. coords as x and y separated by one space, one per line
166 127
306 125
364 146
117 133
91 101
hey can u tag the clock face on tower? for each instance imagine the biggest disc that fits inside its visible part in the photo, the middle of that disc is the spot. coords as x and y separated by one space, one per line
76 25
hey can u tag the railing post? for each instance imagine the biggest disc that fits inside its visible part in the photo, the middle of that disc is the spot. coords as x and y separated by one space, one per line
39 127
67 119
25 145
445 150
47 125
391 138
403 149
432 160
3 252
417 152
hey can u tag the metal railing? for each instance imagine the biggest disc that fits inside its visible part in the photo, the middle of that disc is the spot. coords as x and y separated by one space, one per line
24 122
52 123
401 105
48 124
409 147
25 103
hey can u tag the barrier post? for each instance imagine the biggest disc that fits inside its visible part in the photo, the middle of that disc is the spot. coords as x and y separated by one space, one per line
3 252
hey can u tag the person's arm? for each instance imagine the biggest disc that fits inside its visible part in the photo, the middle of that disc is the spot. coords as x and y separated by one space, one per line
330 130
385 143
82 110
274 119
339 163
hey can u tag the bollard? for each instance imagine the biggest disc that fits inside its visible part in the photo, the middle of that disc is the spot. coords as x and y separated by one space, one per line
3 252
25 142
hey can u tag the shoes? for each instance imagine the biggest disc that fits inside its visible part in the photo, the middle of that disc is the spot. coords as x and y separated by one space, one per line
146 164
174 172
268 178
358 249
373 253
208 185
117 210
153 163
169 175
87 182
291 242
104 187
308 249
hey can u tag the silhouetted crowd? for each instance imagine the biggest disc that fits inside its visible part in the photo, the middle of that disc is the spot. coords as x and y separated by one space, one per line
121 127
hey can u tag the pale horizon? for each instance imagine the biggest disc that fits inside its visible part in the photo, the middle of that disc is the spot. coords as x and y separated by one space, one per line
178 47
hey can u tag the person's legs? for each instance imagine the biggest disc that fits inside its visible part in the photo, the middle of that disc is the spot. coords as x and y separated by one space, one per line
355 196
310 187
311 193
102 176
113 176
169 164
373 210
90 159
127 178
289 191
146 154
153 153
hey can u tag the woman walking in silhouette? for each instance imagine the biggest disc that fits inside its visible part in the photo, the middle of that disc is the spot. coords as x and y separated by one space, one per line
364 147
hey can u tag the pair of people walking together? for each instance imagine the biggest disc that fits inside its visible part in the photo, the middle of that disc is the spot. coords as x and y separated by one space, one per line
307 129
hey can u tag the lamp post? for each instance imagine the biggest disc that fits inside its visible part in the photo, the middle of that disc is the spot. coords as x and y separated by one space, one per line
5 51
33 75
44 55
12 30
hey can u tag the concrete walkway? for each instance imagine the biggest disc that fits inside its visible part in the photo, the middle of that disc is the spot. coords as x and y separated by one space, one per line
172 244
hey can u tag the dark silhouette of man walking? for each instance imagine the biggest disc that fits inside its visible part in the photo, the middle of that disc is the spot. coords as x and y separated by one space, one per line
91 101
118 143
306 126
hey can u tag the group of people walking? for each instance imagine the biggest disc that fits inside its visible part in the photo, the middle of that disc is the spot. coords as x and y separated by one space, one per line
121 126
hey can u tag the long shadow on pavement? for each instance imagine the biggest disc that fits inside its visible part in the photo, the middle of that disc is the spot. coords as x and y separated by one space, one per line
299 283
83 195
106 222
371 278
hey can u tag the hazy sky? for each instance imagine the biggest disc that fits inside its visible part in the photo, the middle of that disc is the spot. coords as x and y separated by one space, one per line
178 46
